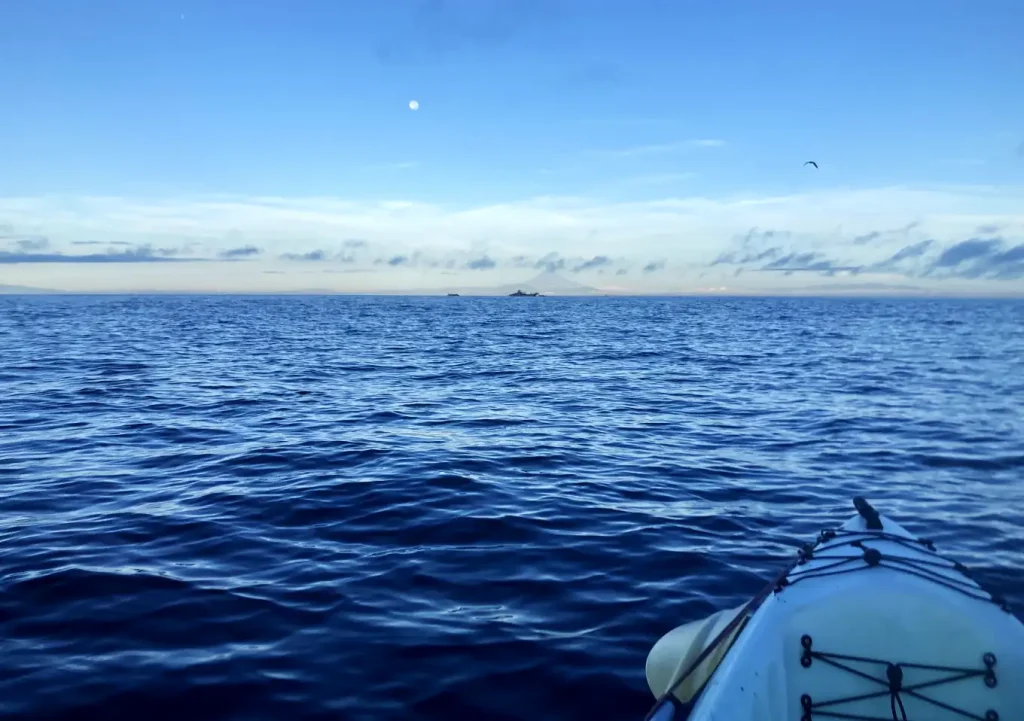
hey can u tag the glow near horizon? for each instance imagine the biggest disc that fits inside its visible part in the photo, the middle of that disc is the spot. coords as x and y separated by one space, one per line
355 241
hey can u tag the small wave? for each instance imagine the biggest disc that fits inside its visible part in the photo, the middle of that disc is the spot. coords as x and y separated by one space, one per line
377 508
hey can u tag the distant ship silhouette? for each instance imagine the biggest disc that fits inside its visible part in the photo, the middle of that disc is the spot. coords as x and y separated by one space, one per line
521 294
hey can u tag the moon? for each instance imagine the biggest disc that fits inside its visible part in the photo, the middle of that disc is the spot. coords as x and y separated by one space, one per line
414 105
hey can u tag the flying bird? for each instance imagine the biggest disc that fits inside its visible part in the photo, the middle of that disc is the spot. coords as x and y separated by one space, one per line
811 162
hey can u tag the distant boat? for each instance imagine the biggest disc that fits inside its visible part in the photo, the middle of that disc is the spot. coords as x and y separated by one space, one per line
453 295
521 294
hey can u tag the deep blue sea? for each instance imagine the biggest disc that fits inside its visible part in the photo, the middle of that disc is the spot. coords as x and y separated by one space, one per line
459 508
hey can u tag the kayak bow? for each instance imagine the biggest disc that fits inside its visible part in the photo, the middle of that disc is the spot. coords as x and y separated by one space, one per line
867 623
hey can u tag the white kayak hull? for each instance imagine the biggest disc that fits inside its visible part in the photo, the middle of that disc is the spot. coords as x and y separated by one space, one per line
871 624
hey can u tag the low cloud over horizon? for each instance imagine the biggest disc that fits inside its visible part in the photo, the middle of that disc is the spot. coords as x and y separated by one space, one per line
960 237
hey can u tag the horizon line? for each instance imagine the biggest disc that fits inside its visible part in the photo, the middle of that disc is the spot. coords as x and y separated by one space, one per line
817 293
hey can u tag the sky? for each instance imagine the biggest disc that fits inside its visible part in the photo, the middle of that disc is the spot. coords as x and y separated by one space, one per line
649 146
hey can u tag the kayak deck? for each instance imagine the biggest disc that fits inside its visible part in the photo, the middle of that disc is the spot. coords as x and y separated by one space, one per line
869 623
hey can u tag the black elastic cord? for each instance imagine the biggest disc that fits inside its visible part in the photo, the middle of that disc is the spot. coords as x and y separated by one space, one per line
920 567
893 685
894 673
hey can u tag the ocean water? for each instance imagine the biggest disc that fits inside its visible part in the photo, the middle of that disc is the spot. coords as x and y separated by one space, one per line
446 508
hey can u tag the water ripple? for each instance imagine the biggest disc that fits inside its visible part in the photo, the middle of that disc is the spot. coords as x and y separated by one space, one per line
373 508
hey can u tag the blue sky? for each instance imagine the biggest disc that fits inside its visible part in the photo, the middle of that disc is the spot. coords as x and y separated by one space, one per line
664 135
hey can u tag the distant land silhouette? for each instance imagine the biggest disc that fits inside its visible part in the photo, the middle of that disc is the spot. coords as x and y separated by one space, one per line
553 284
547 283
24 290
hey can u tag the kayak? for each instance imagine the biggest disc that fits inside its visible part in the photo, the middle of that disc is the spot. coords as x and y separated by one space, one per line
868 622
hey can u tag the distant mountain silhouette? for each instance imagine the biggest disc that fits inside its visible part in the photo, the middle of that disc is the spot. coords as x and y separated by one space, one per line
548 283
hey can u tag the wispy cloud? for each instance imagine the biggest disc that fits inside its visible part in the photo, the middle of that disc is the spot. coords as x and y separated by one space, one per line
787 252
598 261
313 256
654 266
747 257
551 262
246 251
897 261
102 242
785 259
322 255
692 223
787 262
142 254
875 235
808 262
33 243
975 258
21 242
990 258
867 237
482 263
967 252
554 262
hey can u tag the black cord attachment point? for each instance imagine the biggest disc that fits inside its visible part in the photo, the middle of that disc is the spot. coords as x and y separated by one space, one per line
872 556
990 675
894 674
